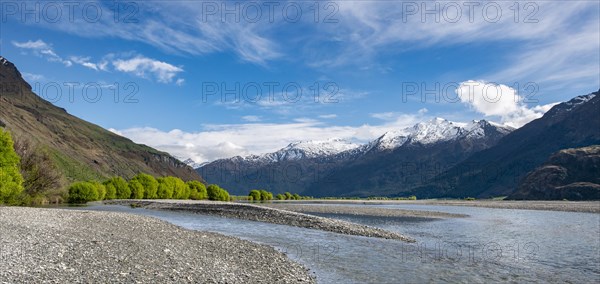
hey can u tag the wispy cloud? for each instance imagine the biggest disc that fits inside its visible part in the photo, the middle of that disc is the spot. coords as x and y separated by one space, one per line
42 49
143 67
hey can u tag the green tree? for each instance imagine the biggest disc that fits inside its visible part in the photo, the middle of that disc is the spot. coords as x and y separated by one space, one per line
288 196
11 180
165 188
197 190
149 183
137 189
265 195
121 187
100 188
296 196
216 193
111 191
255 195
82 192
280 196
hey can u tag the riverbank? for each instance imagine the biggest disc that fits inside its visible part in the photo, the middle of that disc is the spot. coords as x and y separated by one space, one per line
566 206
361 211
264 214
66 246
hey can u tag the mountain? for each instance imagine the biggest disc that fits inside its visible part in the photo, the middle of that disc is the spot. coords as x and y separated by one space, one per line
401 160
289 169
81 150
498 170
339 168
571 174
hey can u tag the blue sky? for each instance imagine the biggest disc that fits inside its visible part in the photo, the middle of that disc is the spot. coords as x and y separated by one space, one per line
378 66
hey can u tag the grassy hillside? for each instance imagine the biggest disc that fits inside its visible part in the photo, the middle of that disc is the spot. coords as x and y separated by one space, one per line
81 150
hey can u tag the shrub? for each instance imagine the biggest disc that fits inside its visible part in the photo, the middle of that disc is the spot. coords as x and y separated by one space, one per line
280 196
82 192
172 187
254 195
121 187
296 196
265 195
470 199
197 190
288 196
100 188
137 189
412 197
11 180
165 188
216 193
149 183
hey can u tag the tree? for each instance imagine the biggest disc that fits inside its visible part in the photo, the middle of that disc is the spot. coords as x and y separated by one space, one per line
197 190
255 195
111 191
296 196
11 180
149 183
288 196
40 173
121 187
100 188
137 189
82 192
216 193
265 195
280 196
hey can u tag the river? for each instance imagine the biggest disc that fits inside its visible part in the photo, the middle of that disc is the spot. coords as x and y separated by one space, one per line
491 245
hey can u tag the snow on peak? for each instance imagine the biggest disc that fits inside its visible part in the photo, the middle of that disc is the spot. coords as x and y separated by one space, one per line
574 102
433 131
312 149
192 163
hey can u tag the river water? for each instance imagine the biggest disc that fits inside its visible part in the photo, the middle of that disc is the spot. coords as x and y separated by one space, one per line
491 245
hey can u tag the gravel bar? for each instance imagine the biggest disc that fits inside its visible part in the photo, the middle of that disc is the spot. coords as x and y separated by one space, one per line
264 214
361 211
549 205
74 246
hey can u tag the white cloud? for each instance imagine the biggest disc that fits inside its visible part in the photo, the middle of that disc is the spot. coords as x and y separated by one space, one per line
85 62
31 78
499 100
42 49
142 67
328 116
227 140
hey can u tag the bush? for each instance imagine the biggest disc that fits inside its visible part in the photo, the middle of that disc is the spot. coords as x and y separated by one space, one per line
41 176
120 186
254 195
197 190
470 199
82 192
11 180
280 196
265 195
172 188
100 188
288 196
137 189
216 193
149 184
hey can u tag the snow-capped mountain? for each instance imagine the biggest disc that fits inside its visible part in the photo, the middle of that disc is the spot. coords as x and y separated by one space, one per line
434 131
308 159
192 163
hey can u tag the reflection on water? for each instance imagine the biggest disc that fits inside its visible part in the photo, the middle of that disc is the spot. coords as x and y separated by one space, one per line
490 245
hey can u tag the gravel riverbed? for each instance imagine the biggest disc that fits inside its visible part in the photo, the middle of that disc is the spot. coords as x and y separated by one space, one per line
361 211
264 214
74 246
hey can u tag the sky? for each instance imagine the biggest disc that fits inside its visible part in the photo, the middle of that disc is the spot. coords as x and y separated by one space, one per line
214 79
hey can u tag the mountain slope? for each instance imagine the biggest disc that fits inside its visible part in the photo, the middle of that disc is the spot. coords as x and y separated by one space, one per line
571 174
497 170
399 161
338 168
289 169
80 149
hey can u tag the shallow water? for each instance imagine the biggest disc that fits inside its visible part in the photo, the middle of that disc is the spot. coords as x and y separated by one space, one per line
490 245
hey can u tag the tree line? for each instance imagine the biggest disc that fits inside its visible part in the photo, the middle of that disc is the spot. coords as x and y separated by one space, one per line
263 195
27 173
145 186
